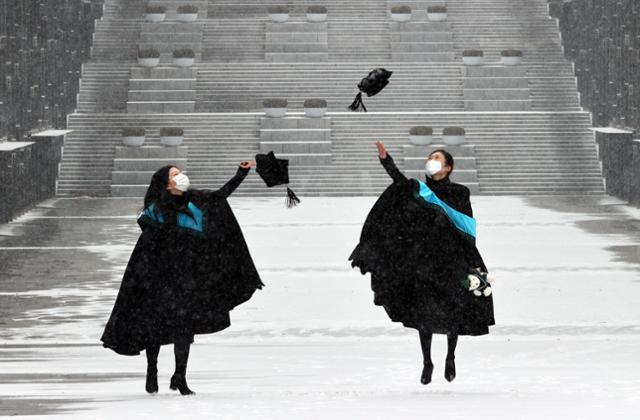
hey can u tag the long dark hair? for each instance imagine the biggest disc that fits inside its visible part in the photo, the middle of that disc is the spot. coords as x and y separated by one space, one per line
448 159
165 203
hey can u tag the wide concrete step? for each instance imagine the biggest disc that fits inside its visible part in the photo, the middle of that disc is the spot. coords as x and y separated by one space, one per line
429 57
297 47
423 47
296 147
161 95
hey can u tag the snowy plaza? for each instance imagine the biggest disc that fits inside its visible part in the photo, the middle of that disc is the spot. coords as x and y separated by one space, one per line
311 344
320 209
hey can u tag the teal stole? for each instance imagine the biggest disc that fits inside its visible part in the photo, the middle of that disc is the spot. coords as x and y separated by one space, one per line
460 220
182 220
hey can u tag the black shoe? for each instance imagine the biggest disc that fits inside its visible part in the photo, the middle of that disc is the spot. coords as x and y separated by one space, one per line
152 381
179 382
450 369
426 374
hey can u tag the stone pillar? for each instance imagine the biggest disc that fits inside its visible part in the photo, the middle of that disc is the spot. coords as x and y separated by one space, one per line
619 155
29 172
555 8
634 173
48 153
16 186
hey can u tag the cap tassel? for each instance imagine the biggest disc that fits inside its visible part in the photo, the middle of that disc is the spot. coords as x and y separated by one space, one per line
357 104
292 198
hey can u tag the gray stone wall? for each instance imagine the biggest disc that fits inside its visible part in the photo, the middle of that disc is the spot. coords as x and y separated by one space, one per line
619 153
28 171
602 37
42 47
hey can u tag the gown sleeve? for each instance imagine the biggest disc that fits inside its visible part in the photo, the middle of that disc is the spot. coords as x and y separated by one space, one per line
474 257
391 168
227 189
224 191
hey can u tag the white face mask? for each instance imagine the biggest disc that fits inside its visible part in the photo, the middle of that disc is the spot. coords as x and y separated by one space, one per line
433 167
182 182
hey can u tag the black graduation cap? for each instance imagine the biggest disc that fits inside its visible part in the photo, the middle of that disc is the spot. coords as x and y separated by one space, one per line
375 81
274 171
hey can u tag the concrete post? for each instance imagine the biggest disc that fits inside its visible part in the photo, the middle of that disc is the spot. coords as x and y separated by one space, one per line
615 151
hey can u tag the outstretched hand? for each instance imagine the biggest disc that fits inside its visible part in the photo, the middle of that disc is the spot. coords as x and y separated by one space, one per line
249 164
381 150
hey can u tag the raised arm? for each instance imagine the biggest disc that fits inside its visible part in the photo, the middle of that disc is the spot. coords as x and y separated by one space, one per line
388 163
227 189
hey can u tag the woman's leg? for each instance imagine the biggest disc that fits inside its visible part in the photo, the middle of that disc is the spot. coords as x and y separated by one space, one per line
179 380
450 365
425 343
152 369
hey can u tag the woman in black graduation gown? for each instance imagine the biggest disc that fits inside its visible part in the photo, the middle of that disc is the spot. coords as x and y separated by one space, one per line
189 268
418 257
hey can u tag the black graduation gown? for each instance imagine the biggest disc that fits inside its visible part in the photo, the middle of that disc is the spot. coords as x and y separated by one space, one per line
179 281
417 258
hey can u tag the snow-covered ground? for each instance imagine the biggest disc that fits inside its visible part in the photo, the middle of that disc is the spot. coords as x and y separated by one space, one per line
311 344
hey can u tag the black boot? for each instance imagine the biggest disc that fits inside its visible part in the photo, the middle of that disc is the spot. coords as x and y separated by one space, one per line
425 344
450 364
426 374
179 379
450 369
179 382
152 381
152 369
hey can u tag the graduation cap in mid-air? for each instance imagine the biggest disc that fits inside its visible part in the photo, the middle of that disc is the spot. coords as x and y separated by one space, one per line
375 81
274 171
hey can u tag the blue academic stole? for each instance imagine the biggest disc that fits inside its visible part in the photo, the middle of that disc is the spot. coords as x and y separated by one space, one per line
182 220
460 220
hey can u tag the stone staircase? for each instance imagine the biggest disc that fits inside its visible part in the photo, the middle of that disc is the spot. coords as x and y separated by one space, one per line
301 140
161 89
357 31
133 167
242 87
116 33
516 153
296 42
496 88
547 149
420 40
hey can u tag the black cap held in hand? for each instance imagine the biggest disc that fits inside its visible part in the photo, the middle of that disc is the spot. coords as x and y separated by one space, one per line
375 81
274 171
